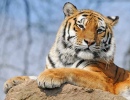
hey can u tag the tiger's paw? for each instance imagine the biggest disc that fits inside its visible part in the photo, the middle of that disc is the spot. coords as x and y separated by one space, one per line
50 79
15 81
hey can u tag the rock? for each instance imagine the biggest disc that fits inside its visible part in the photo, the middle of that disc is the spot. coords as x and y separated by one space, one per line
30 91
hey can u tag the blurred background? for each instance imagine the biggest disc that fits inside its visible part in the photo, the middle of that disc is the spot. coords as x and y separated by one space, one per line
28 29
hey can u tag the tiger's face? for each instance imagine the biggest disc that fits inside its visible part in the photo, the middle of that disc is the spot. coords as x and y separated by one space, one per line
89 33
86 31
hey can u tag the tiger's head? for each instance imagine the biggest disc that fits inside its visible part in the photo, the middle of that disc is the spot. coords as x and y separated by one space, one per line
88 33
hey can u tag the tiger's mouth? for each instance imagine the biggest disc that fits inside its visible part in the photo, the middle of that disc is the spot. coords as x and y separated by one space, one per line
94 49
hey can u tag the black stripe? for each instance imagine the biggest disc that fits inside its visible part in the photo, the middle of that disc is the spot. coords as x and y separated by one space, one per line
109 42
77 50
74 29
68 32
80 13
64 44
107 37
51 62
124 72
66 26
84 15
67 23
80 62
70 37
116 71
64 30
104 34
104 38
99 18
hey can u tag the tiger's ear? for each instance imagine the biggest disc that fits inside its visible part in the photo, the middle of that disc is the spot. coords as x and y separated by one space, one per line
69 9
113 19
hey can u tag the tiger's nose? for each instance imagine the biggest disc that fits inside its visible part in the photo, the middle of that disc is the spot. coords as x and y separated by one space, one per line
89 42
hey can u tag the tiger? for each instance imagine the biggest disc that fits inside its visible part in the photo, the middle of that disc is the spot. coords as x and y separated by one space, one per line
82 55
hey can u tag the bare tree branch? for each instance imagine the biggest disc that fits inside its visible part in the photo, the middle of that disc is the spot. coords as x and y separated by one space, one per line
4 9
127 59
29 36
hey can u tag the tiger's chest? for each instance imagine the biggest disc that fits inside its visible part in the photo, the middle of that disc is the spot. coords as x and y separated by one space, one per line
66 59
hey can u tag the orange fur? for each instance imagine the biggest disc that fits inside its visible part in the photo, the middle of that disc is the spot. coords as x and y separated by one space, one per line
100 74
14 81
94 76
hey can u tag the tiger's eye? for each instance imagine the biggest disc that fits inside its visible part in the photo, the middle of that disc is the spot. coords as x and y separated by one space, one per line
81 26
100 30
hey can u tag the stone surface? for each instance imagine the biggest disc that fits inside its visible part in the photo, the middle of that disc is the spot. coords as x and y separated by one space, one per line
30 91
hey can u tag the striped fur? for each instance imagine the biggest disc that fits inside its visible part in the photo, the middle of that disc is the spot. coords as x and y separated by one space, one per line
76 42
83 55
84 40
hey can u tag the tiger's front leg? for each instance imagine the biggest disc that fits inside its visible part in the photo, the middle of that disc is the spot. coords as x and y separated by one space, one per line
15 81
51 78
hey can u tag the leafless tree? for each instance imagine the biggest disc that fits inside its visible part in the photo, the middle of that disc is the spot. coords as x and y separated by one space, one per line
29 36
127 59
